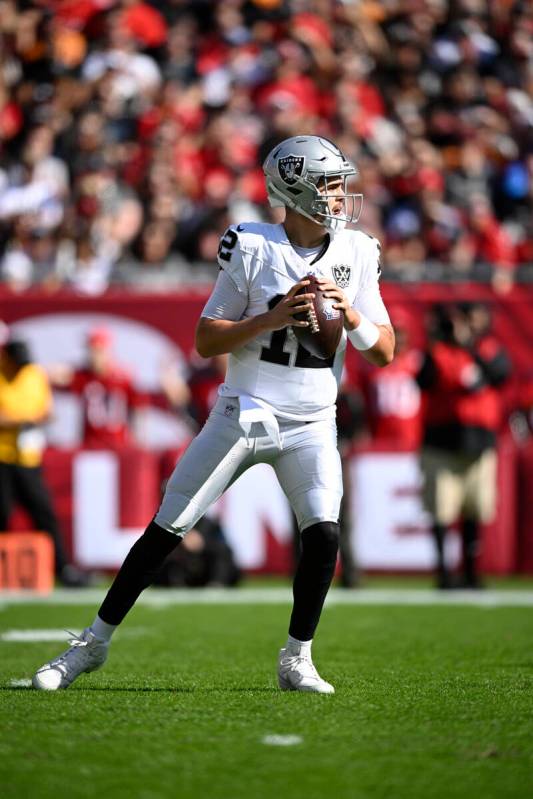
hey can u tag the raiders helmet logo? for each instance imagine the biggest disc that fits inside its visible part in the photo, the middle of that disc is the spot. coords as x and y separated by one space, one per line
342 274
290 168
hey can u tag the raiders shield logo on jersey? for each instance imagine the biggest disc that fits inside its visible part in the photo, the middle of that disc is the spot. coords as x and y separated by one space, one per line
291 167
342 274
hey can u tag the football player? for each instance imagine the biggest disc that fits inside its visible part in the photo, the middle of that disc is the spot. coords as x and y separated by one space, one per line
277 403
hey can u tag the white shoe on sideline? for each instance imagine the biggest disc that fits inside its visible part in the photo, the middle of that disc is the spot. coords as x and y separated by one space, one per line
86 653
297 673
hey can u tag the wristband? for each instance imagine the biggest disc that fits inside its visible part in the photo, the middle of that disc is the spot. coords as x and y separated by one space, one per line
365 334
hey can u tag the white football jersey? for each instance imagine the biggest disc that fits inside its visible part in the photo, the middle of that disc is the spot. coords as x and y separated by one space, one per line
274 368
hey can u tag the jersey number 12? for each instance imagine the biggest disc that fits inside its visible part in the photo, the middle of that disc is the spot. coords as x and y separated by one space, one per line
275 353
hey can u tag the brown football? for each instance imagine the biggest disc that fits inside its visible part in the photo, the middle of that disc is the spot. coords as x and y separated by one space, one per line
321 338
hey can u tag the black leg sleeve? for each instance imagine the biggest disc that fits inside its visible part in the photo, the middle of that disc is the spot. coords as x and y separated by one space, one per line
34 496
142 563
470 552
439 534
314 574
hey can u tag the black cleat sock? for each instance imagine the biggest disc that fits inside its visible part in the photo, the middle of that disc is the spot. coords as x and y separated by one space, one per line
142 563
470 553
443 576
313 577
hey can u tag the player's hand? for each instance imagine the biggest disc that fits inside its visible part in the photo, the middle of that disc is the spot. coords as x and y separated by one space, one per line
282 315
342 303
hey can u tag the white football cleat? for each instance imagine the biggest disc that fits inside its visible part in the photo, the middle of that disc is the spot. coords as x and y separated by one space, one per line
297 673
86 653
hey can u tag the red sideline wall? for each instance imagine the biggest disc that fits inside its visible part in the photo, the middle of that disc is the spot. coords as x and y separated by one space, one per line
100 523
175 315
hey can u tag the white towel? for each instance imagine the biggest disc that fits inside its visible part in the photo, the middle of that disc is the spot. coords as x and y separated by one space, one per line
254 410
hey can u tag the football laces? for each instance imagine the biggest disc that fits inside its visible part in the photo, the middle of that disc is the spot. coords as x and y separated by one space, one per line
313 321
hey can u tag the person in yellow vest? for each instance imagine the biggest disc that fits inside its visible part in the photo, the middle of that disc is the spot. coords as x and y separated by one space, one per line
25 404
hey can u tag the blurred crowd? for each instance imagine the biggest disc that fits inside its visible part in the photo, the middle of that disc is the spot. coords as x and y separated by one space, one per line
132 133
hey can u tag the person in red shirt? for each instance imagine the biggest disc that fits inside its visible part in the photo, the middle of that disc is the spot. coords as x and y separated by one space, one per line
393 397
109 398
492 244
463 370
203 384
195 396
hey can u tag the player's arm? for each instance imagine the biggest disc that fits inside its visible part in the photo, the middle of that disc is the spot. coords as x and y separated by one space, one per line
61 375
374 341
494 363
219 336
173 385
221 328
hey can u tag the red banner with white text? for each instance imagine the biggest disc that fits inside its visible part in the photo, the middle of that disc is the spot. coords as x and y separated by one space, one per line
105 500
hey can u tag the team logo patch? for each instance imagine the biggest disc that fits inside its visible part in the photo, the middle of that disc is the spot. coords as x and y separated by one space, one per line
330 312
290 168
229 410
342 274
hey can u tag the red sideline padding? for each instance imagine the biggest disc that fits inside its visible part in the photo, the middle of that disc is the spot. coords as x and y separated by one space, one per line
139 486
513 320
140 476
525 512
26 562
507 543
139 490
500 551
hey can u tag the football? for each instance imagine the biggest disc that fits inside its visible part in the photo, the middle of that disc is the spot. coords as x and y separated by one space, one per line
321 338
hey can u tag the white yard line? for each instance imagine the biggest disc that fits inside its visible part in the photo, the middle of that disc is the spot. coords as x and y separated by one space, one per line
27 636
279 596
22 683
282 740
31 636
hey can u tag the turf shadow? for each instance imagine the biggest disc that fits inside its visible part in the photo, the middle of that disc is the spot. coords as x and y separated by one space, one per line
16 688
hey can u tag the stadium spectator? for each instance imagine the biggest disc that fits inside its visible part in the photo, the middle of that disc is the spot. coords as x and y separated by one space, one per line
463 370
107 393
196 394
120 112
25 405
392 396
88 272
204 381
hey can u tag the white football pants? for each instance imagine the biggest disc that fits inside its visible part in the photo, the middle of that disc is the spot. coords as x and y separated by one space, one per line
308 468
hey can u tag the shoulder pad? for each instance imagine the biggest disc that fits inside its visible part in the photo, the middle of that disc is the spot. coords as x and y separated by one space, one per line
252 235
233 258
372 250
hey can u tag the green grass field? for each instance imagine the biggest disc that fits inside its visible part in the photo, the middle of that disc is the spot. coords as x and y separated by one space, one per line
431 701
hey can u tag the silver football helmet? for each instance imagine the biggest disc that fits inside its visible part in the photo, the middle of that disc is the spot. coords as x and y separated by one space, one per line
297 172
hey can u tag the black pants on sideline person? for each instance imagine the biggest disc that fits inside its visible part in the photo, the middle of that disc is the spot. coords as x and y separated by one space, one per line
24 485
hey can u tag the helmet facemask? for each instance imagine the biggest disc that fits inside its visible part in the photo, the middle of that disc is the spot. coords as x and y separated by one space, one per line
326 200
